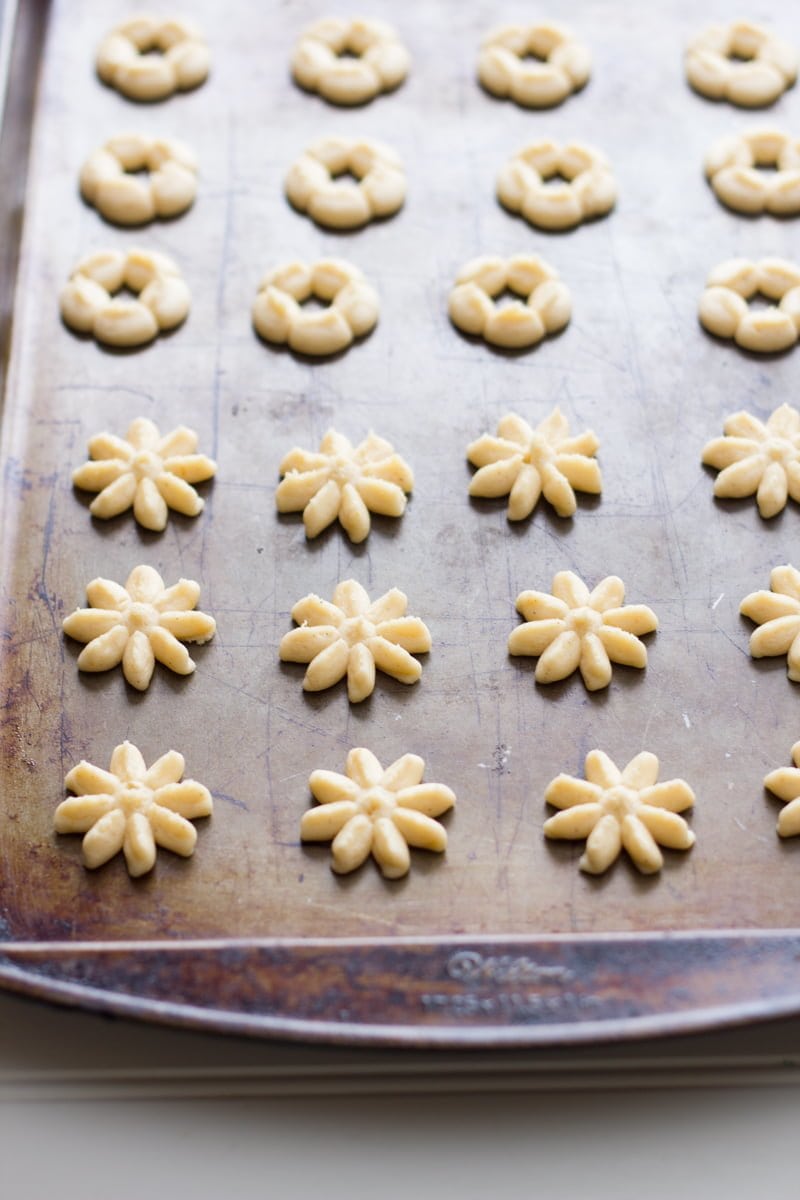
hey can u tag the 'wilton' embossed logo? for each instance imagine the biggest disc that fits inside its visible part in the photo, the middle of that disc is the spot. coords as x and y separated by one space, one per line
468 966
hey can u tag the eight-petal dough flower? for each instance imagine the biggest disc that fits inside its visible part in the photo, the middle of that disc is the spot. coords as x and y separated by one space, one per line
777 612
131 808
613 808
575 628
345 482
524 463
757 457
370 809
351 635
139 623
785 784
147 471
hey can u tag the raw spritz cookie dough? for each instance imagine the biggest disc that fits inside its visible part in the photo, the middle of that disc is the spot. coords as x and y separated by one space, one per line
352 636
758 458
756 172
573 628
742 63
350 62
378 189
145 471
785 784
725 313
525 463
777 613
133 808
547 303
344 481
149 58
352 309
88 304
504 70
616 809
111 179
139 623
369 810
587 188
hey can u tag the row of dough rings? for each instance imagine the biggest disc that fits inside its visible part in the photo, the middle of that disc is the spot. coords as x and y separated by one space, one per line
352 309
770 66
588 190
472 308
380 61
147 58
107 181
731 167
723 305
312 188
87 303
503 71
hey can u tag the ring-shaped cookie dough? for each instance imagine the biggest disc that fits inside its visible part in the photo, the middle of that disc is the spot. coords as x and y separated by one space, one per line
349 62
732 169
88 306
724 311
768 69
352 309
547 307
565 64
312 187
147 58
588 188
108 183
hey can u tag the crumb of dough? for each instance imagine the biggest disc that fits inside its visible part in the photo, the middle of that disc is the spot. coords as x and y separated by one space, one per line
349 61
758 458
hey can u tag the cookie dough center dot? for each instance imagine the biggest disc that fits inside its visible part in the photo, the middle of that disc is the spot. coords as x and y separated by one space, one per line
781 450
539 452
344 470
146 465
133 798
141 616
377 802
584 620
620 801
357 629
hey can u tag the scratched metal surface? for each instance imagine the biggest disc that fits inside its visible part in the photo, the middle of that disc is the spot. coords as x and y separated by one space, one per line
633 364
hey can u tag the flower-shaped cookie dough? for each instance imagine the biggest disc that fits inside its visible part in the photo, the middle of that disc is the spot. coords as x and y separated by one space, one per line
345 482
144 469
574 627
137 624
370 809
524 463
350 62
613 808
352 310
547 303
732 166
766 65
133 809
588 188
759 457
88 304
725 313
378 190
777 613
785 784
148 58
504 69
353 636
109 181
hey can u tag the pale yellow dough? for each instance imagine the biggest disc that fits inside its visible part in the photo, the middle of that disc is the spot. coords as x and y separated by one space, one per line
353 636
344 481
504 71
149 58
349 61
588 188
758 458
771 64
133 808
312 187
785 784
547 307
137 624
732 167
87 303
777 613
725 313
369 810
352 312
616 809
108 183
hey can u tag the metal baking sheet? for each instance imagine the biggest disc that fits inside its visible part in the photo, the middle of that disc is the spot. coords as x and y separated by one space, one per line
504 939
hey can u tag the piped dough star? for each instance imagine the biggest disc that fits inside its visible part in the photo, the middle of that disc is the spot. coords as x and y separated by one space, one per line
758 457
777 613
346 482
524 463
139 624
574 627
133 808
354 636
147 471
613 809
372 810
785 784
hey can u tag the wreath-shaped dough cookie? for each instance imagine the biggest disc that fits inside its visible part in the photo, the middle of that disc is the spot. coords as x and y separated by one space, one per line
147 58
547 307
503 71
126 199
770 66
724 311
87 303
342 204
588 189
732 168
350 62
352 312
